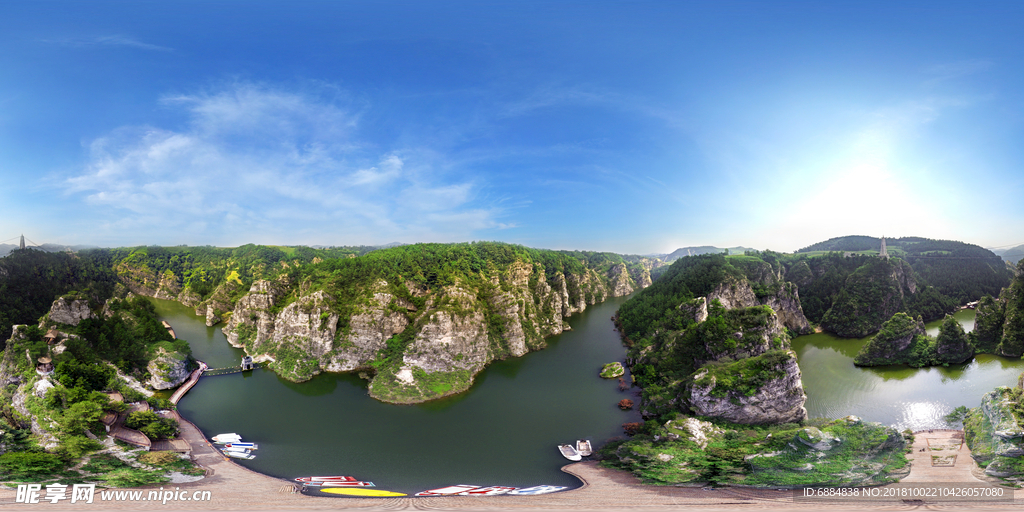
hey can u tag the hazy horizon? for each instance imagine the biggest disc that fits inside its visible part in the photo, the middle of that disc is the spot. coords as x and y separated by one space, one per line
633 128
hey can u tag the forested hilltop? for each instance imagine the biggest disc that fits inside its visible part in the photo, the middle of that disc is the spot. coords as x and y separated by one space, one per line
709 343
419 320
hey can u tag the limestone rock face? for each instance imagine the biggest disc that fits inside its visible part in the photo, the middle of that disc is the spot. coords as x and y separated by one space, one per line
780 400
167 369
458 328
368 330
697 308
219 304
454 337
733 294
70 312
143 281
621 282
251 322
786 304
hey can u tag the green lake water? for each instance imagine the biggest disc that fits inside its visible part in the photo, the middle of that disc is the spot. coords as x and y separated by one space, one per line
503 431
895 395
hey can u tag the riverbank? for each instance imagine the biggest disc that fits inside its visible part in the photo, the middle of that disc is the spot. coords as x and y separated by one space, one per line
233 487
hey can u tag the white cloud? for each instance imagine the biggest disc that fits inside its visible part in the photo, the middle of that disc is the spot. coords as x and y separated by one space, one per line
266 165
112 40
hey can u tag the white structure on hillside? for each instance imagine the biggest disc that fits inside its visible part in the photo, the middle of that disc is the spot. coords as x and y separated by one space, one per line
883 253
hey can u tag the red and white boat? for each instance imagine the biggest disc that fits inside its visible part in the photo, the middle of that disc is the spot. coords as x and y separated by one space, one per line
447 491
339 483
493 490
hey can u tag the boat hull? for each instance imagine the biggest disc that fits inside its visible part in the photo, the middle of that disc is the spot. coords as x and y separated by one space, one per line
539 489
368 493
448 491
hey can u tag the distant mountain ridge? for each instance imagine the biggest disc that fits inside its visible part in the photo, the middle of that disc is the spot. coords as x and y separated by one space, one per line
703 249
6 249
1012 255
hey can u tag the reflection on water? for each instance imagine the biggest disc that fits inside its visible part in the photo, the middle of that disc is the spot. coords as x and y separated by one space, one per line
895 395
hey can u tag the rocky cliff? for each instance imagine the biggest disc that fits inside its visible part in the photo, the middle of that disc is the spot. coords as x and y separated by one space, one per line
67 311
781 296
415 353
756 390
994 434
167 368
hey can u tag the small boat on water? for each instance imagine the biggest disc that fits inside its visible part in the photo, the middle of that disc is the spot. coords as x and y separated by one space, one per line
235 449
238 455
374 493
247 446
569 452
493 490
447 491
326 479
538 489
226 438
583 446
339 483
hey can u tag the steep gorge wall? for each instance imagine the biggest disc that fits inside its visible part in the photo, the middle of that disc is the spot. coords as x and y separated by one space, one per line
460 329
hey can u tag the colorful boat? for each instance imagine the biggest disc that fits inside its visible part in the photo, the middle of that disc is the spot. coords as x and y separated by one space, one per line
539 489
375 493
447 491
339 483
569 452
493 490
230 448
247 446
326 479
583 446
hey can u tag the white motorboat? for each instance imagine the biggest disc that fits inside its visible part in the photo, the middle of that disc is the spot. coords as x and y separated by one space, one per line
447 491
247 446
226 438
538 489
239 455
569 451
583 446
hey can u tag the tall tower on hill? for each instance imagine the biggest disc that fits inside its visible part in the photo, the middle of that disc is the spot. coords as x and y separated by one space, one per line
883 253
22 241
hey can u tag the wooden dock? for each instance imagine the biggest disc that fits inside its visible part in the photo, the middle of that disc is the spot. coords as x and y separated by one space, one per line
187 385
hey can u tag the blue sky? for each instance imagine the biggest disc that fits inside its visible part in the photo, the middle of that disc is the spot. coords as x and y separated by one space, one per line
634 127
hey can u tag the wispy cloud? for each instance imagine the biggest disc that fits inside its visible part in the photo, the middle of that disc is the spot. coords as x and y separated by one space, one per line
950 70
262 164
108 41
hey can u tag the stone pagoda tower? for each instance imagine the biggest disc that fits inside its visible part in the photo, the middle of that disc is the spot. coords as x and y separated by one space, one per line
883 253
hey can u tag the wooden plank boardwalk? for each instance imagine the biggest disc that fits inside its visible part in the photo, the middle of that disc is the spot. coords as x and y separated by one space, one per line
187 385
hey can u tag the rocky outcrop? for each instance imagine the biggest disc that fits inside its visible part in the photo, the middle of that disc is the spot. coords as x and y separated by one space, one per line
167 369
778 394
69 311
620 282
872 294
382 317
219 304
890 345
783 298
994 435
143 281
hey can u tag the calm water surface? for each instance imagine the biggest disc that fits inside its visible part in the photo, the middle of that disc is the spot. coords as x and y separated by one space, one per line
503 431
894 395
